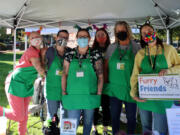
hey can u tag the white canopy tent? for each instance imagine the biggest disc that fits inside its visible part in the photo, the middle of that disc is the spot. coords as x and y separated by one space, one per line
163 14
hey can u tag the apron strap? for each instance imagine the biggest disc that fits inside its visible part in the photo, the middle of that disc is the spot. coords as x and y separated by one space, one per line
145 50
80 62
119 49
60 60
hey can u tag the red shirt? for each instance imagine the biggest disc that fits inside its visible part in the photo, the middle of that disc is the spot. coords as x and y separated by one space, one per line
31 52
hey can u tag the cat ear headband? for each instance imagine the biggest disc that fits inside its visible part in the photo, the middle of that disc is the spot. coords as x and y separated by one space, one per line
79 28
96 28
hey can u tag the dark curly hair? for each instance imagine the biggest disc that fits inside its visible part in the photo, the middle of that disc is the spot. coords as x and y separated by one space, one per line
65 31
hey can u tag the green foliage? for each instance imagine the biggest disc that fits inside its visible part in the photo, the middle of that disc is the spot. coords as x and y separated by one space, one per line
176 33
162 34
6 38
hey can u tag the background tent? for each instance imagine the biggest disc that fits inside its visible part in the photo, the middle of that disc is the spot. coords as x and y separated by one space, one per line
27 13
163 14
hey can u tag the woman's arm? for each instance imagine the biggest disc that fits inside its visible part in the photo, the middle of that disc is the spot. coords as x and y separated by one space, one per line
64 76
38 66
99 72
134 79
174 60
43 56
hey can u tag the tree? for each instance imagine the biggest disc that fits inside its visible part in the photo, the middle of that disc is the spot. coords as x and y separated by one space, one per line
176 33
4 37
7 38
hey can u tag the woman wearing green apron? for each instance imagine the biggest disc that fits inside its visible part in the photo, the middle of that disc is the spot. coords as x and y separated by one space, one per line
101 42
119 61
54 58
82 81
19 83
154 58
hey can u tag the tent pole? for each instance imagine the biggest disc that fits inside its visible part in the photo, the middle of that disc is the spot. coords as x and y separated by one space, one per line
161 18
16 23
36 23
168 36
5 22
48 23
158 9
14 49
156 5
25 42
171 24
22 8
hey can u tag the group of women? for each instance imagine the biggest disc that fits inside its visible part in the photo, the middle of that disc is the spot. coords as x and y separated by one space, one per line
84 78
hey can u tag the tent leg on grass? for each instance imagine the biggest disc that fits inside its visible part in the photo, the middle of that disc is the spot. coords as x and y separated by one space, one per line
14 49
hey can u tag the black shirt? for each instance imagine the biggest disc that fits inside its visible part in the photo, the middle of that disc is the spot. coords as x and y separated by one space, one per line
94 56
49 57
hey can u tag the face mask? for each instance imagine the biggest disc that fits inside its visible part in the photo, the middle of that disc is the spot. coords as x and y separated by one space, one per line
101 39
150 37
62 42
122 35
82 42
36 42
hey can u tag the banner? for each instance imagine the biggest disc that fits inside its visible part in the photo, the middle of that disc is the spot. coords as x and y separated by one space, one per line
152 86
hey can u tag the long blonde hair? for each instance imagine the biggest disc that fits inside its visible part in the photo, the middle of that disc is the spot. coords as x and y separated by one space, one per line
128 29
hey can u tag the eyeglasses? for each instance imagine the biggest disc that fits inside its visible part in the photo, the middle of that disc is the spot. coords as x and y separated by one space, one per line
66 38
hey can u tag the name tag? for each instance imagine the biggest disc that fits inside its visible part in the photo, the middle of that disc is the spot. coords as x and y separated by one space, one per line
80 74
120 66
59 72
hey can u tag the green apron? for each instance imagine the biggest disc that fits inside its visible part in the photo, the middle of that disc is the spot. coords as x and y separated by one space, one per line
22 82
146 68
120 70
81 86
52 88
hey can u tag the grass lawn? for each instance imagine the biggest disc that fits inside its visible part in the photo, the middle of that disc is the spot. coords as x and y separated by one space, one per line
6 64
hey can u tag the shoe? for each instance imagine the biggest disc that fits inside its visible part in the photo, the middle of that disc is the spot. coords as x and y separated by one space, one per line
95 133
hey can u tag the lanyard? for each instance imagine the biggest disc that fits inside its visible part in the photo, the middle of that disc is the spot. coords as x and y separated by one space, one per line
60 58
122 54
79 59
152 63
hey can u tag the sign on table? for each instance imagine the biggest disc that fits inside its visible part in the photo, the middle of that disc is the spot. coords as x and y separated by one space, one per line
68 126
152 86
173 118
